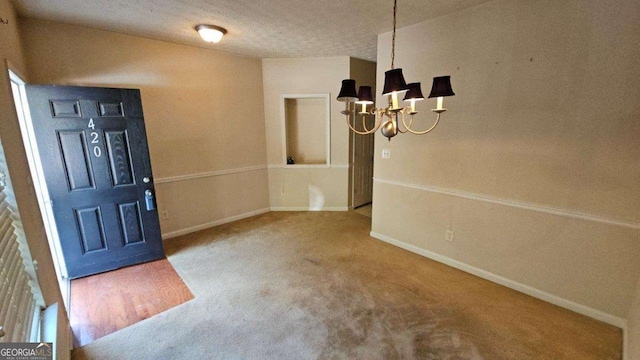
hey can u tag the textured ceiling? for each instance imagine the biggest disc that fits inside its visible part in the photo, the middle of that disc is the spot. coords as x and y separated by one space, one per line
260 28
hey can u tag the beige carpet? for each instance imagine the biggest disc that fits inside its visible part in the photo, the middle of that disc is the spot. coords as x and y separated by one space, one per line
315 285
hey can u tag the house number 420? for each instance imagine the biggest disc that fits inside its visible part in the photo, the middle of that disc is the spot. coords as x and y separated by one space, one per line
94 139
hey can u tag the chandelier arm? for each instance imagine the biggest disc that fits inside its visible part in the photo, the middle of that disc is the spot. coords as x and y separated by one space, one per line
367 132
360 132
421 132
364 123
376 123
404 123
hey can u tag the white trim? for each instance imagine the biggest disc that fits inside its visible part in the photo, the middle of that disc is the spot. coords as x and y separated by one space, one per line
23 114
36 324
283 123
308 166
209 174
211 224
542 295
300 166
517 204
305 208
49 326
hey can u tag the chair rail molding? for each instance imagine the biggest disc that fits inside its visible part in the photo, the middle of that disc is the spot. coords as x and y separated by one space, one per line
516 204
168 179
309 166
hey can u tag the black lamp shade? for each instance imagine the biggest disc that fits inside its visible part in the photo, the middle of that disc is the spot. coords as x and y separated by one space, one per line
394 81
348 91
364 95
414 93
441 87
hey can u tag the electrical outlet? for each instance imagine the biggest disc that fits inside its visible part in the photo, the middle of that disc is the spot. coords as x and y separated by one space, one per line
165 215
386 153
449 235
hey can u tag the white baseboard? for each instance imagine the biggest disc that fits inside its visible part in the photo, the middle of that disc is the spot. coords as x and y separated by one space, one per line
542 295
191 229
304 208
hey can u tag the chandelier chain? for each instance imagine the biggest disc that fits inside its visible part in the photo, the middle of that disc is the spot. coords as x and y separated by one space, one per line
393 41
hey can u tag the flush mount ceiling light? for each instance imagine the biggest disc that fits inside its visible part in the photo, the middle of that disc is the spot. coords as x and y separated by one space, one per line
394 85
210 33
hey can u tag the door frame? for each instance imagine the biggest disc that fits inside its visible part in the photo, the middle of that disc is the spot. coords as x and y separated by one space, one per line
352 163
18 82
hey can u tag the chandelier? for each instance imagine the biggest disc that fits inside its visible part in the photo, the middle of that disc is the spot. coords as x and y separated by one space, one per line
388 119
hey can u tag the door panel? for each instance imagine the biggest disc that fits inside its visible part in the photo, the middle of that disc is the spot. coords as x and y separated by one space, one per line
73 149
94 151
91 228
131 223
119 158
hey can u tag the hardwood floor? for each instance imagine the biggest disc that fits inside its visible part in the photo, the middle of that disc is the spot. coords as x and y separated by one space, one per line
104 303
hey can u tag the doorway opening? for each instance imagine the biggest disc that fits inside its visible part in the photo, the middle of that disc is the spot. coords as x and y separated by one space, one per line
362 155
90 167
37 178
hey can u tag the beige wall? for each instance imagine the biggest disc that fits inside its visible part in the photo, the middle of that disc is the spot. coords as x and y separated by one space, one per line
633 350
363 72
203 114
306 130
535 166
305 188
11 50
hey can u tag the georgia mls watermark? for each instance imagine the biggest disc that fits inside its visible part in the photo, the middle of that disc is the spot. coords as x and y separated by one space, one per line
26 351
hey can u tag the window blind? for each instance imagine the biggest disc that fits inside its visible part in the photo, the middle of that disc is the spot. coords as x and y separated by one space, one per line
20 298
